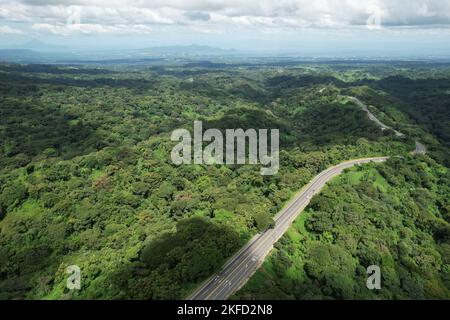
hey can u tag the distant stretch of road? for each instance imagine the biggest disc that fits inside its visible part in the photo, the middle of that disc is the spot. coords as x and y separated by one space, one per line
420 148
373 118
243 264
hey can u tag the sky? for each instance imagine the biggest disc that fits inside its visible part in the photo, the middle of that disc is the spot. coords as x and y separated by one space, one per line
325 27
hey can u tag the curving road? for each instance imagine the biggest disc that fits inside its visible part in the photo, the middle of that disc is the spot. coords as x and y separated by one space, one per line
372 116
243 264
420 148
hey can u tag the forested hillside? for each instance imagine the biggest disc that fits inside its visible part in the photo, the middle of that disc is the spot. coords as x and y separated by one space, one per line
86 179
394 215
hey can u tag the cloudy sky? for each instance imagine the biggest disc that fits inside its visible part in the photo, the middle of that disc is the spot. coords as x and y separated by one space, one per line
384 26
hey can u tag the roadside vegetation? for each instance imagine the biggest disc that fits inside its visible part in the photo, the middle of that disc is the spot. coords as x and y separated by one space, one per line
395 215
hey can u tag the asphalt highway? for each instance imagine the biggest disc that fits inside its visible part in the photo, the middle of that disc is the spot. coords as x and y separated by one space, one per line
244 263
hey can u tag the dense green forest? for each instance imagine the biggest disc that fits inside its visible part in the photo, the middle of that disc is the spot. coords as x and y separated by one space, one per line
394 215
86 179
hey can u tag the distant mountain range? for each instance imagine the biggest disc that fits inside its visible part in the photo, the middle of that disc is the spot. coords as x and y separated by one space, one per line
189 50
34 51
37 45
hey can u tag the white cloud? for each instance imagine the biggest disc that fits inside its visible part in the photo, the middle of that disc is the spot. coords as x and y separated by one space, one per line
118 16
92 29
9 30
